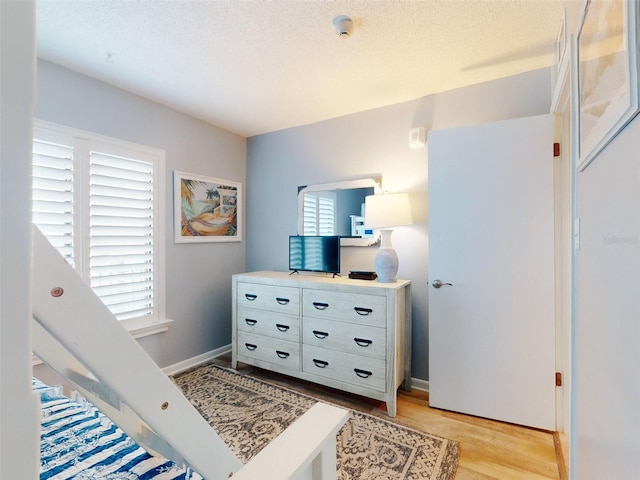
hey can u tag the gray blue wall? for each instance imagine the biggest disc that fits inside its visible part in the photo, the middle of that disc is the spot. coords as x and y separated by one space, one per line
198 276
362 145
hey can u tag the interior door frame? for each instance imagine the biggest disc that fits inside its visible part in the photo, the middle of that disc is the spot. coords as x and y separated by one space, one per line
564 110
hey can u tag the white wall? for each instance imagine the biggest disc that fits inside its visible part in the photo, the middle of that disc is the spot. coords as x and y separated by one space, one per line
606 381
373 142
198 276
19 407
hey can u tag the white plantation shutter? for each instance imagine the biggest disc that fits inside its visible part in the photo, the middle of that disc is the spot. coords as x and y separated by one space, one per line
98 201
310 214
121 233
53 195
319 213
326 215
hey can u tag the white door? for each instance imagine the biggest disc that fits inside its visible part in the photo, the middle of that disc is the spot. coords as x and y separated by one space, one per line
491 332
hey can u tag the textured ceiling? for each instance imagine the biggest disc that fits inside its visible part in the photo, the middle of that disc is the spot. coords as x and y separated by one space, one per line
258 66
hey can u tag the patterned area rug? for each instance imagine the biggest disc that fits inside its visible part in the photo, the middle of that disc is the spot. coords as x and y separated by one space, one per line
248 413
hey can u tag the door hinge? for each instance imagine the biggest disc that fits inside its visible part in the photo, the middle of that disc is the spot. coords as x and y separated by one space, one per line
556 149
558 379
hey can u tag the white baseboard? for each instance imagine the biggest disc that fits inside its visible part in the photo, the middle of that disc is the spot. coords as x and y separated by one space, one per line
195 361
419 384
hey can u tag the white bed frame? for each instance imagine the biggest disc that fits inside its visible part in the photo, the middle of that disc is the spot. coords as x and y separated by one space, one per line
78 337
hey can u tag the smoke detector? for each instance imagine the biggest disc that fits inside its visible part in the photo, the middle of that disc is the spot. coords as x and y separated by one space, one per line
343 26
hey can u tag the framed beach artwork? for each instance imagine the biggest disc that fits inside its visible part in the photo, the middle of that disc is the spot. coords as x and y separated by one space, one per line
607 73
206 209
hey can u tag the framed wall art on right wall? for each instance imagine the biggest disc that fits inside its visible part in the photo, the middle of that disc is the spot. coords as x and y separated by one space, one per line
607 73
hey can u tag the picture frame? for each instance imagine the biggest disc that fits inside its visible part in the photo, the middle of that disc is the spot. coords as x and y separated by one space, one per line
206 209
607 74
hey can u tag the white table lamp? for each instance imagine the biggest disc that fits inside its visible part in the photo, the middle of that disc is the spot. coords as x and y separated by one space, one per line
382 212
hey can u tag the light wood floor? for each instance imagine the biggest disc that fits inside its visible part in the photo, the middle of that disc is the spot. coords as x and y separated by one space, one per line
489 449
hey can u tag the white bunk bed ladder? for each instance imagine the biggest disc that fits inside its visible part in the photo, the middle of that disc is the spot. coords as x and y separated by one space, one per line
78 337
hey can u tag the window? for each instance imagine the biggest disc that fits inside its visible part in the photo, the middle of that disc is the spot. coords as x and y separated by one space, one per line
98 201
319 213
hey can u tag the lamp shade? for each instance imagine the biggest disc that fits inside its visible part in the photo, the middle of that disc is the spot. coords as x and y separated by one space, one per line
387 210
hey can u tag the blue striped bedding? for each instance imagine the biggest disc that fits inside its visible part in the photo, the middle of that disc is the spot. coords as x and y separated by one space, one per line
79 442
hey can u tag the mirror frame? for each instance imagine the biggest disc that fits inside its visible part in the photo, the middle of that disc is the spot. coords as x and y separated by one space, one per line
368 182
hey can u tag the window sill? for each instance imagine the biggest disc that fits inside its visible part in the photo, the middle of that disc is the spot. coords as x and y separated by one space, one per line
137 329
144 329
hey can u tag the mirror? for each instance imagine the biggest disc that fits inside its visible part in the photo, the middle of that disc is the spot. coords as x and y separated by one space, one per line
337 208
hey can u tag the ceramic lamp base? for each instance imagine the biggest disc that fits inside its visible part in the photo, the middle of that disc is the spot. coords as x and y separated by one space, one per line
386 260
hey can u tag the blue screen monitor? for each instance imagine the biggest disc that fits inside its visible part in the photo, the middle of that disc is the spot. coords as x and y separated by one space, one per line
314 254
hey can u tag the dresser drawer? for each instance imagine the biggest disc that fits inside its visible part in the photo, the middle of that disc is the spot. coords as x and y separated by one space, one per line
342 333
355 369
269 297
347 337
272 324
271 350
345 307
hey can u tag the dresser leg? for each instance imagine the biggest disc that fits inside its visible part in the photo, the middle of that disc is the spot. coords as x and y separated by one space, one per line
391 407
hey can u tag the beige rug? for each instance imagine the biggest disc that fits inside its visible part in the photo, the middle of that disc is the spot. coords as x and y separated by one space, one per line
248 413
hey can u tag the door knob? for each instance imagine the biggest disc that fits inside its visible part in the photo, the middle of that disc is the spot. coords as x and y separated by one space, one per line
439 283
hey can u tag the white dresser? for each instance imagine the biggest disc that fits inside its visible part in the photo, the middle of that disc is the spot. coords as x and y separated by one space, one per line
353 335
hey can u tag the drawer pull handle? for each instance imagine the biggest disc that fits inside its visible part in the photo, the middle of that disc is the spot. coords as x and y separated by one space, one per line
362 373
362 342
320 335
282 354
362 311
282 301
320 306
320 363
250 296
250 321
250 346
281 327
